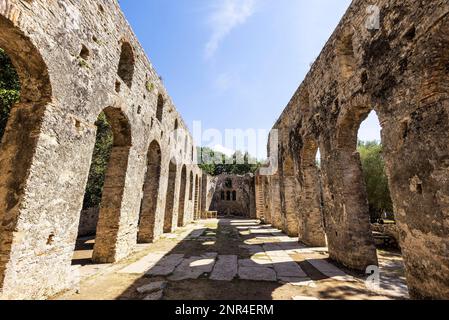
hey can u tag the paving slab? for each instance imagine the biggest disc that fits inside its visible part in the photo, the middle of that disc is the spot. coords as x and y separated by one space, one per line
194 267
329 270
154 296
144 264
289 269
225 269
257 274
254 263
166 266
152 287
298 282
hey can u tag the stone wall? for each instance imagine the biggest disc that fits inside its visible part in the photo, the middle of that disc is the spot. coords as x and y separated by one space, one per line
400 70
76 59
88 222
233 195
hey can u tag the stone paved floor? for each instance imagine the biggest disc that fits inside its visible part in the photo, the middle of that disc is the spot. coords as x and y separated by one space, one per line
230 259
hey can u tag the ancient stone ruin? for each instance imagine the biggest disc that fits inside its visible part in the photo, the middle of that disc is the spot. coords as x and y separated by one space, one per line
78 59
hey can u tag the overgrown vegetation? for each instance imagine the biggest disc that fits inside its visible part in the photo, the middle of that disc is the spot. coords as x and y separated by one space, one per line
216 163
9 89
100 159
381 205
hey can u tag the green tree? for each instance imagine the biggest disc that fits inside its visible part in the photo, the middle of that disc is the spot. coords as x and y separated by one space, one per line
216 163
376 180
100 159
9 89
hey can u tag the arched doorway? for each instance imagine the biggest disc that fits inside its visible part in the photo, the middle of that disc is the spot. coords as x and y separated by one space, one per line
311 228
110 158
182 197
170 200
147 218
22 118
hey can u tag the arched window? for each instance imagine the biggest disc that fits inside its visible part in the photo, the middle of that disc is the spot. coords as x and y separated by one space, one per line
126 64
223 195
234 196
160 107
228 196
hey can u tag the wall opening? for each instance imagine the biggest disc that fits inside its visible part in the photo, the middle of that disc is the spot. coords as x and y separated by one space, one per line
191 186
182 197
312 222
160 107
104 189
346 56
149 204
9 89
126 64
170 202
25 93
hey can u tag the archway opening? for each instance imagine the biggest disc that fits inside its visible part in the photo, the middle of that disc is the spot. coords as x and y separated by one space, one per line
126 64
363 138
160 107
312 222
182 197
25 92
9 89
100 218
170 202
148 208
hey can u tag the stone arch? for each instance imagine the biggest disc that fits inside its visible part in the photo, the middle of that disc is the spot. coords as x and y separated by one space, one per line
288 196
114 186
170 200
149 206
19 142
311 227
126 64
182 197
346 209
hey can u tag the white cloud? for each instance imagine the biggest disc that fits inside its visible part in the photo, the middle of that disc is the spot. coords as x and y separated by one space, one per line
224 150
224 82
225 18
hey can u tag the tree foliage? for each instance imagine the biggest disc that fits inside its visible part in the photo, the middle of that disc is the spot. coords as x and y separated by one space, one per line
100 159
376 180
9 89
216 163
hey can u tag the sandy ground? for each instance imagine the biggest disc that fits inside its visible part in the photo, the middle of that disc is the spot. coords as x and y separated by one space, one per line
231 237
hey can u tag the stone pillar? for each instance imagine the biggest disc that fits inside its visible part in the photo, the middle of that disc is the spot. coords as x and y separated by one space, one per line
45 160
275 202
311 229
109 222
346 211
290 189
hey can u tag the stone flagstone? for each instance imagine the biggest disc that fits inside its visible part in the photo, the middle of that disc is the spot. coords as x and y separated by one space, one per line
225 269
329 270
257 274
144 264
194 267
166 266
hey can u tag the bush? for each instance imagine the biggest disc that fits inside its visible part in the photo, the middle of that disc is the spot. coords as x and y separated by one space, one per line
9 89
100 159
376 180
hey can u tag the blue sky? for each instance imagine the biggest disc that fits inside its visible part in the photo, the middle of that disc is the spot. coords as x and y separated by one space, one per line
234 64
